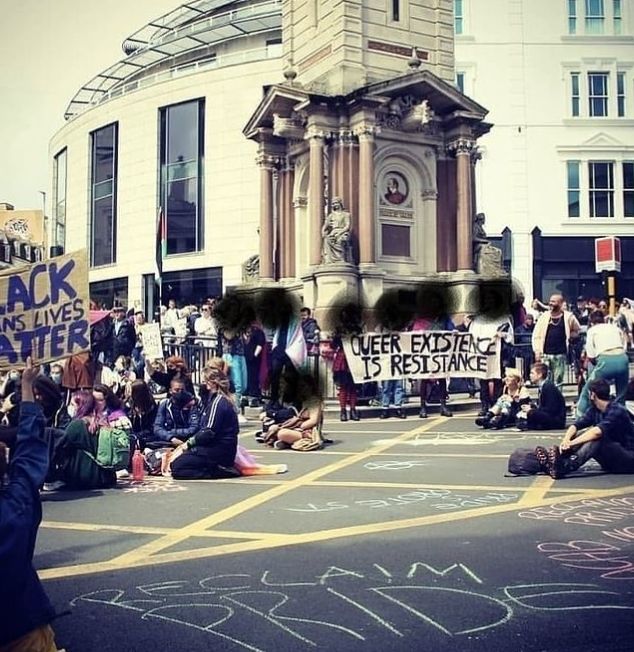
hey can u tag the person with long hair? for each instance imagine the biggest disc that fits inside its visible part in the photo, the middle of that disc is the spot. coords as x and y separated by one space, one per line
142 409
211 452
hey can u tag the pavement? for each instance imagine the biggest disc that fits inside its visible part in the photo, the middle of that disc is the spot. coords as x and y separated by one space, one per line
400 535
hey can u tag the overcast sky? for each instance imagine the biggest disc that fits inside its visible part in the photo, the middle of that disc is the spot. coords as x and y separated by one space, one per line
48 50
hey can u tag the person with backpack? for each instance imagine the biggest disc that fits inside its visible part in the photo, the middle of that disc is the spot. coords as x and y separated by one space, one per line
26 611
177 417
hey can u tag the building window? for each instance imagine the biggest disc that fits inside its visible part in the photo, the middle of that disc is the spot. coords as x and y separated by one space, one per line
598 94
616 16
59 201
458 17
574 84
628 188
460 81
396 10
103 217
274 47
601 188
594 16
572 16
620 94
574 189
181 179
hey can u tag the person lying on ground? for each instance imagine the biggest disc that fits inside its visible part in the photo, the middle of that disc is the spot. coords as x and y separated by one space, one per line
549 413
26 610
605 432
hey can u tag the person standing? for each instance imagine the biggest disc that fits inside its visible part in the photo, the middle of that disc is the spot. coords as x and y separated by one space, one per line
605 347
552 337
123 335
254 346
26 612
310 328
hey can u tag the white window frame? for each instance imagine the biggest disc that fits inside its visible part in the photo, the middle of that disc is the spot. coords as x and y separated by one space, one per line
458 18
609 190
584 158
596 18
603 97
597 26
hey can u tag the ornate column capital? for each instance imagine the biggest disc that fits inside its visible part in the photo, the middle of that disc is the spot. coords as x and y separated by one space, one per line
268 160
366 132
314 132
300 202
429 195
462 145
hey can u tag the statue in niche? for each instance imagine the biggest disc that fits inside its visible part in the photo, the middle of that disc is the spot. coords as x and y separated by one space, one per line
336 234
487 259
251 269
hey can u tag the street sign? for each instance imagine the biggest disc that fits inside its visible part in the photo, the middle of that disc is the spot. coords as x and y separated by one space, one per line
607 254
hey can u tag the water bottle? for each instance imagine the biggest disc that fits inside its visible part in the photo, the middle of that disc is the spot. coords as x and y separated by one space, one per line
138 466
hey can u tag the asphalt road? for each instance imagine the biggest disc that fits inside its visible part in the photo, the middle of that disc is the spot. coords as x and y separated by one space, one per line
402 535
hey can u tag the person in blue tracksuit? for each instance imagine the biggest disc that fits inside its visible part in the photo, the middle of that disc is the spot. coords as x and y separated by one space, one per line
25 610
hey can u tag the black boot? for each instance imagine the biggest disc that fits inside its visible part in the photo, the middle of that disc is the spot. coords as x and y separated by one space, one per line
445 411
354 414
485 420
343 416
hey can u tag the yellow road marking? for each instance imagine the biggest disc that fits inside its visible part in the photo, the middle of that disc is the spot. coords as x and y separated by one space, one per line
276 541
172 538
540 486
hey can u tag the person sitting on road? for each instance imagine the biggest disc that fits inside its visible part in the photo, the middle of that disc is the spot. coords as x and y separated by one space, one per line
605 432
507 407
26 610
211 452
178 416
550 411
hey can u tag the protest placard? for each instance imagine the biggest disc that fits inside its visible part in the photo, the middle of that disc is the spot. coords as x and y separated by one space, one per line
421 354
44 310
152 341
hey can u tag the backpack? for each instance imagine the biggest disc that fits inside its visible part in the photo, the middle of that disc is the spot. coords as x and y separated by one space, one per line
113 449
523 461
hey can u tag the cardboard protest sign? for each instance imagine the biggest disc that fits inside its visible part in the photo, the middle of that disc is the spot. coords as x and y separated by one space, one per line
44 310
152 341
422 354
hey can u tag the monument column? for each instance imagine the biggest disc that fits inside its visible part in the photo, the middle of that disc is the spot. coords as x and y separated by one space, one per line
464 210
366 195
316 192
287 223
266 164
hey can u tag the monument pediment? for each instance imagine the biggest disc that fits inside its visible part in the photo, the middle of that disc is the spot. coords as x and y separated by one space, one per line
602 140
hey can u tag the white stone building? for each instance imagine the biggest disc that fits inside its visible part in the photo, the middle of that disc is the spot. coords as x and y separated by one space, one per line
558 79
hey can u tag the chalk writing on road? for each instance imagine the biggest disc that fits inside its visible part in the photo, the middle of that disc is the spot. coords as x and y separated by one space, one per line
149 486
610 561
394 465
440 499
354 606
465 439
596 512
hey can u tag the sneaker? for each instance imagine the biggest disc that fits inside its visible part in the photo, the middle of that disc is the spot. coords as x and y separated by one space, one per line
53 486
542 457
423 413
260 437
122 474
280 445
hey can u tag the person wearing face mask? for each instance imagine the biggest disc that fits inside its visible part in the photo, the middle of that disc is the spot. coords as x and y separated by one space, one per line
178 416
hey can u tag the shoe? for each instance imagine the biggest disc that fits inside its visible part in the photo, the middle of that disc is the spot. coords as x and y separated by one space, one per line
400 413
484 420
472 395
522 425
280 445
445 412
354 414
423 413
553 465
260 437
385 414
343 415
53 486
122 474
542 457
497 423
